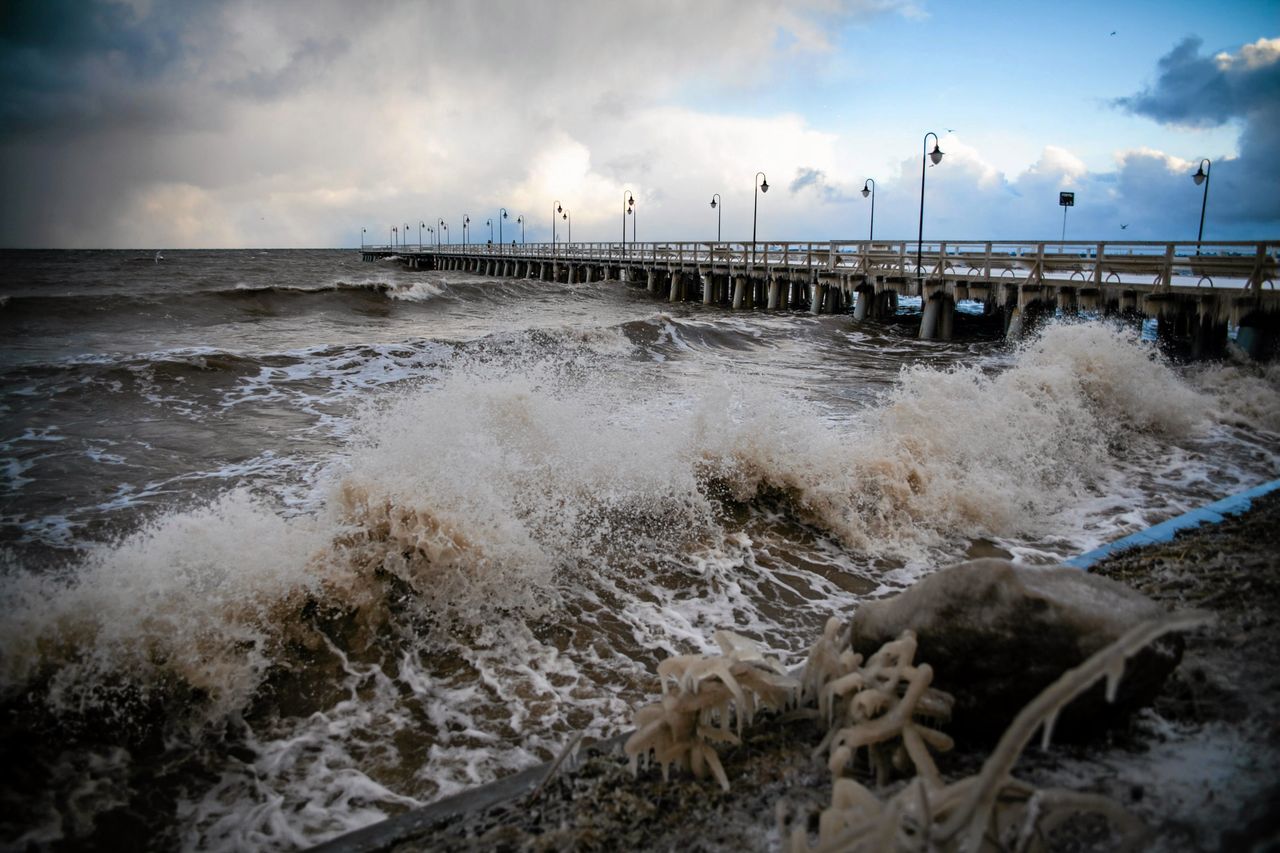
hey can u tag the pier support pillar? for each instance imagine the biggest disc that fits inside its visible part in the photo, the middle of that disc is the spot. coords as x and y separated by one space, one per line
653 281
863 296
1210 338
739 291
929 318
775 293
677 284
709 289
1013 328
1259 335
815 297
946 318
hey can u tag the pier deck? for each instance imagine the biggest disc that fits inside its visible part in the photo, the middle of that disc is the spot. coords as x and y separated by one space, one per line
1195 289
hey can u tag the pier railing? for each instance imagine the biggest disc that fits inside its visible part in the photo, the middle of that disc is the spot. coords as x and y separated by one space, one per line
1149 264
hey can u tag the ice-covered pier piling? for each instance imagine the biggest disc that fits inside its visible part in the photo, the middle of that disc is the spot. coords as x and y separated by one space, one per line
1194 289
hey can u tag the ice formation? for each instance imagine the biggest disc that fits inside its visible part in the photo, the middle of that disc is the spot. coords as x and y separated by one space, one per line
885 705
703 698
991 810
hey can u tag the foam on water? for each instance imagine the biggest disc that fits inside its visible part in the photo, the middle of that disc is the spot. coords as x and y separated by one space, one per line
505 549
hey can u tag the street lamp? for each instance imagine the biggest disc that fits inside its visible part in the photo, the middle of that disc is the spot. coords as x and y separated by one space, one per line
362 233
565 216
466 220
936 156
520 219
715 205
500 218
392 236
489 222
404 236
1202 177
628 201
434 238
555 208
421 225
445 228
869 189
755 206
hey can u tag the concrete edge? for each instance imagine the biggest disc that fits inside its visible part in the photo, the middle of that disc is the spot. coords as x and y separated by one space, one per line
1214 513
415 823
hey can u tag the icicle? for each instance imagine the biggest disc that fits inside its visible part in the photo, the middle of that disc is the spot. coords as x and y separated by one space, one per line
1046 734
1114 673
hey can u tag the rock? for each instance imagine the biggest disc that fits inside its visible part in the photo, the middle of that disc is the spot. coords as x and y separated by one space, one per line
996 634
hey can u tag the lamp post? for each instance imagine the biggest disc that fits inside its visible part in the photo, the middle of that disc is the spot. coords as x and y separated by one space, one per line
936 156
421 225
1202 177
466 220
628 201
755 206
444 227
489 222
555 208
434 238
391 236
718 208
404 237
569 219
362 233
869 189
500 218
520 219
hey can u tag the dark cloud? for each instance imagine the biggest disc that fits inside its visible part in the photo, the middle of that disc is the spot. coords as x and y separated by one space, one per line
816 179
1197 89
307 65
1200 90
67 65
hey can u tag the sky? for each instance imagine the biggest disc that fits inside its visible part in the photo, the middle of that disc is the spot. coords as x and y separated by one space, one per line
197 123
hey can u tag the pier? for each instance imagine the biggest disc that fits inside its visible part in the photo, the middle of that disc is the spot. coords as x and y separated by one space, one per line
1194 290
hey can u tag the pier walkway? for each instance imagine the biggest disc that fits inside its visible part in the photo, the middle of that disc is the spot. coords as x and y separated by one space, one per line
1194 289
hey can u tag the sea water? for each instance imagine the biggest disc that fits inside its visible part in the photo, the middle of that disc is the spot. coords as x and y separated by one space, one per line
291 543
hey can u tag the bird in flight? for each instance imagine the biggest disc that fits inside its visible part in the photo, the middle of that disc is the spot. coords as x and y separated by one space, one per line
1122 227
1113 32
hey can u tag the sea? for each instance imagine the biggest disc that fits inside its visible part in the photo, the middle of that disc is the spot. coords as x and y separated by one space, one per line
292 542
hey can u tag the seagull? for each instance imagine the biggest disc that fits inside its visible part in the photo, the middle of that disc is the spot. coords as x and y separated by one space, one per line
1113 32
1122 227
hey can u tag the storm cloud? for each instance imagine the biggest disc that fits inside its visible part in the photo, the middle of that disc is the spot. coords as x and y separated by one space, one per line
1197 89
238 123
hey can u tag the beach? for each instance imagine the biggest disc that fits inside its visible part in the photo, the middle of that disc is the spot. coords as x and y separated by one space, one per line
294 543
1197 767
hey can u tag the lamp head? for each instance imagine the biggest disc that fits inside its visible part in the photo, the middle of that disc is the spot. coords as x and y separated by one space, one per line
866 190
936 154
764 185
1199 176
713 204
504 214
559 209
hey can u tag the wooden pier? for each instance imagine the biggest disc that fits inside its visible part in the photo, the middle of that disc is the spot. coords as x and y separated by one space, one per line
1194 289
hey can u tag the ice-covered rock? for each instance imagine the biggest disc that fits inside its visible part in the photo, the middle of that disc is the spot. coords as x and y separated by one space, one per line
997 633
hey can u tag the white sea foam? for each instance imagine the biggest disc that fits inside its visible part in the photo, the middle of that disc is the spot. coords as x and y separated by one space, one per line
417 291
503 551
